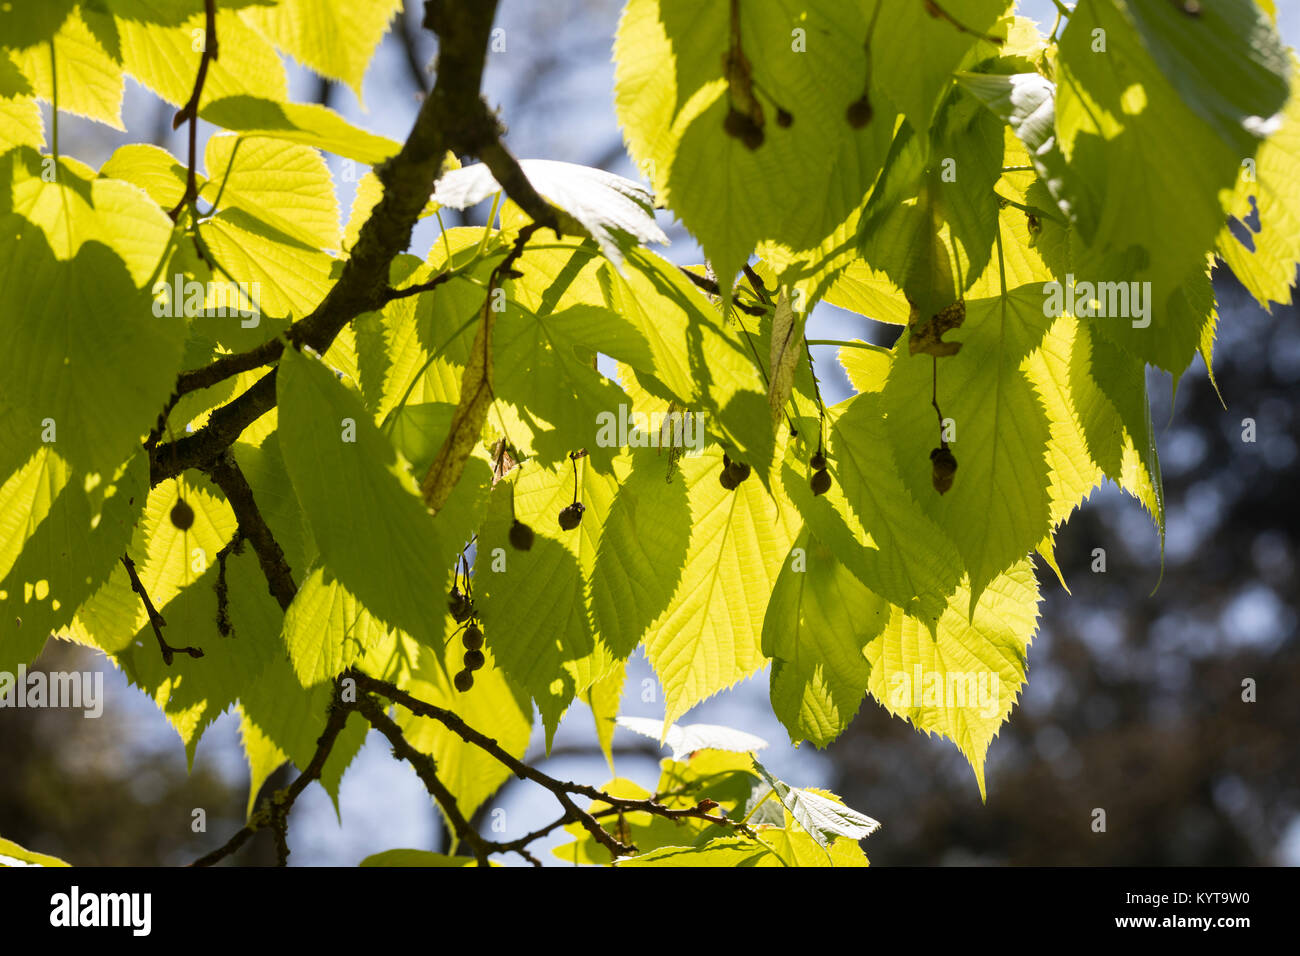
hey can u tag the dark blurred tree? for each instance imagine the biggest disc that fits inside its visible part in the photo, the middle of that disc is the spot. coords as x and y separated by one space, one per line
85 790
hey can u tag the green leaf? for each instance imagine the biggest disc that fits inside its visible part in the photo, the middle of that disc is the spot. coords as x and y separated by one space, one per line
931 222
642 552
961 681
822 817
89 82
285 185
73 539
284 277
84 348
263 465
1270 195
793 847
308 123
864 290
726 851
263 756
73 208
708 637
374 533
417 858
1150 171
493 706
604 698
334 38
914 51
696 358
22 25
818 622
327 630
787 354
870 519
725 777
152 168
26 497
1226 61
998 507
162 52
866 365
672 97
1027 103
1072 468
21 123
533 603
542 370
192 693
1116 417
11 854
639 828
171 559
278 713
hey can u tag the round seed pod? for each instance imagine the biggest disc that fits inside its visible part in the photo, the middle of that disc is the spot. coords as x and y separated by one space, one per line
571 515
943 467
859 112
472 638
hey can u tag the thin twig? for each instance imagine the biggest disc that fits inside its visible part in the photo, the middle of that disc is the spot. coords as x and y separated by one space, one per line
756 282
406 38
426 770
234 546
155 618
711 287
938 12
560 789
190 111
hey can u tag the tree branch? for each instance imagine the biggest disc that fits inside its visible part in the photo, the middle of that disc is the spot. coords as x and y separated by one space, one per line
453 117
227 475
560 789
275 810
467 733
428 774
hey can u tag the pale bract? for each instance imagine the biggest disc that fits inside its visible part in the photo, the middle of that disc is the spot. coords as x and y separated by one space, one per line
610 208
686 739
